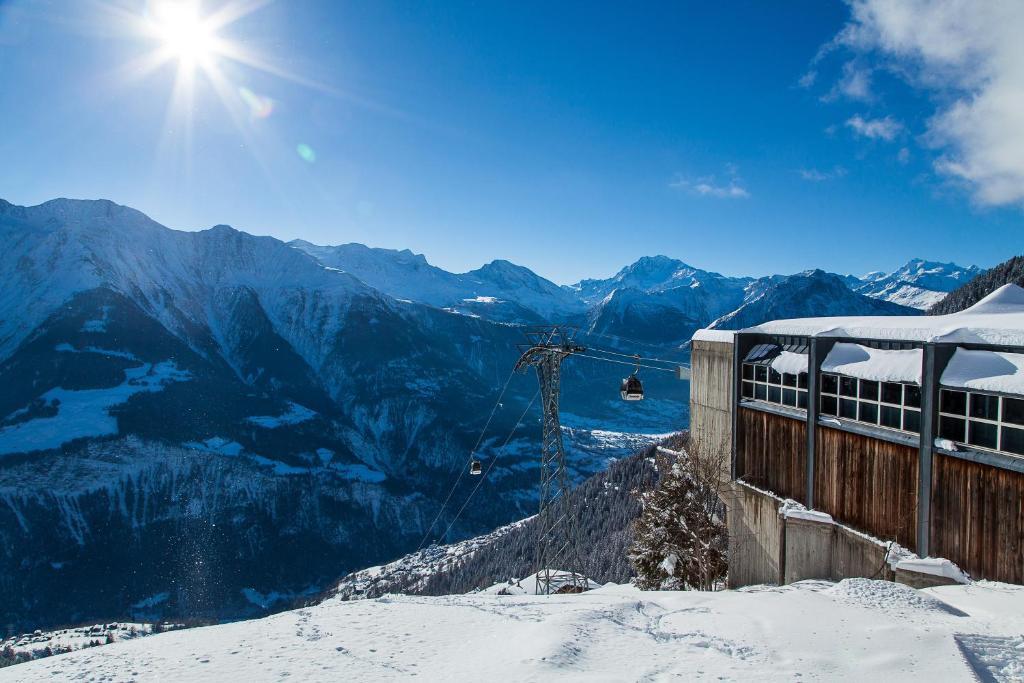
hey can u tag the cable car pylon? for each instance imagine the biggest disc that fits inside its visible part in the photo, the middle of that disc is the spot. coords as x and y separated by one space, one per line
558 553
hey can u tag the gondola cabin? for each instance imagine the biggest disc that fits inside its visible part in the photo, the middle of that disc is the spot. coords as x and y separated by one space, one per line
632 389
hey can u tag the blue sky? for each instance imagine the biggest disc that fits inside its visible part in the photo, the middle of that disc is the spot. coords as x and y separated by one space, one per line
569 137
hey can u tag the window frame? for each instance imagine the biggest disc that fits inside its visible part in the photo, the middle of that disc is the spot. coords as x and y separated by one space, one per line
762 389
877 404
999 423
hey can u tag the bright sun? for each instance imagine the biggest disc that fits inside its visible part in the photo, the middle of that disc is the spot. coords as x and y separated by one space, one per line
184 33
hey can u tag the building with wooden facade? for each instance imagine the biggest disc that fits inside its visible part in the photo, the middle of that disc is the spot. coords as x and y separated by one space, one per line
857 443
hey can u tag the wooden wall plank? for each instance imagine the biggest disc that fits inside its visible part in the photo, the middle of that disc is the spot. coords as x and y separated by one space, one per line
978 518
867 483
772 452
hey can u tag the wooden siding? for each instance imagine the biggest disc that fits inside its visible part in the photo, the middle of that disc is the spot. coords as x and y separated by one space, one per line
867 483
711 400
978 518
771 452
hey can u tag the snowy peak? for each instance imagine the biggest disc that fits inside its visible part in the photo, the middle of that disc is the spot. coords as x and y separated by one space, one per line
647 274
918 283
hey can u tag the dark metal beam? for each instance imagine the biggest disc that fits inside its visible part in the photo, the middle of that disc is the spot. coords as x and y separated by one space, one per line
934 359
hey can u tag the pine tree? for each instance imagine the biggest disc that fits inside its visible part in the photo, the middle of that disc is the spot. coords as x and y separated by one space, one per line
680 537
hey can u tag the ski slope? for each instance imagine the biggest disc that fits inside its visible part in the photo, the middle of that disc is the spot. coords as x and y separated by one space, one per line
855 630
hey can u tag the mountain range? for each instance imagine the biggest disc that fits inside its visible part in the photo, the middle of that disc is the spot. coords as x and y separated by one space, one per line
212 423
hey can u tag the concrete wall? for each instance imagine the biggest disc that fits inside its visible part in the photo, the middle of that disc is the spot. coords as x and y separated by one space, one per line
756 537
711 387
767 547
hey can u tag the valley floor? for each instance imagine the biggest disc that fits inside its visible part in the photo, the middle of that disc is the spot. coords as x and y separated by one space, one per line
853 630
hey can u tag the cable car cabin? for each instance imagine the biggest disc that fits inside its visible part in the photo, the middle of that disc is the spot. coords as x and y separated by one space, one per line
632 389
475 467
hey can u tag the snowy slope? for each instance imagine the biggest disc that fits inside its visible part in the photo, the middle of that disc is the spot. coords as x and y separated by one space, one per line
855 630
410 572
918 283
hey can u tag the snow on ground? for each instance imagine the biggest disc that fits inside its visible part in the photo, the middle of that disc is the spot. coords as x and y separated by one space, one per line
855 630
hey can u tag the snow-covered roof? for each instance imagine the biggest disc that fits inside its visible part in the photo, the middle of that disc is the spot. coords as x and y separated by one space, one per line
986 371
714 335
997 319
880 365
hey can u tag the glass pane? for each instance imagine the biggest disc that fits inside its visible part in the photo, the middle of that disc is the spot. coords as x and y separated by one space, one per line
760 373
760 391
848 386
890 417
829 384
789 397
829 405
774 377
984 406
801 399
748 390
912 395
748 371
981 434
954 402
1013 410
892 392
912 421
802 380
951 428
868 412
789 379
869 389
1013 440
774 394
848 408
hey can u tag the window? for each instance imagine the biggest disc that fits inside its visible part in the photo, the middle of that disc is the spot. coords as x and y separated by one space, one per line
893 405
764 383
982 420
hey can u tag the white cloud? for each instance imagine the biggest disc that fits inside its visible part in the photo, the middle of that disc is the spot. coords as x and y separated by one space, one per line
970 53
855 84
903 156
876 129
816 176
708 186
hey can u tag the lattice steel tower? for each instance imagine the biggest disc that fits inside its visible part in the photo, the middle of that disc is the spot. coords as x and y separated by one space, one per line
558 538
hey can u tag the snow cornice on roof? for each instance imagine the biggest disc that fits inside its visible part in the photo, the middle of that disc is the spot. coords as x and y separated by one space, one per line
998 320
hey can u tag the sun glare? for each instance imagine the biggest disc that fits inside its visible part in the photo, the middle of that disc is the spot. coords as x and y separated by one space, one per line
184 33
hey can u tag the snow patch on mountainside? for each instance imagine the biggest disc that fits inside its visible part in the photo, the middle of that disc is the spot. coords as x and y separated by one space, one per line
85 412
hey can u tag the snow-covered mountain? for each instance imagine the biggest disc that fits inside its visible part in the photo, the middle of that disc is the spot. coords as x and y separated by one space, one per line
499 290
919 284
814 293
214 399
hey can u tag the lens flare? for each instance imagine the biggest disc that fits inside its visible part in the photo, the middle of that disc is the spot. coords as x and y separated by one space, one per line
306 152
260 106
